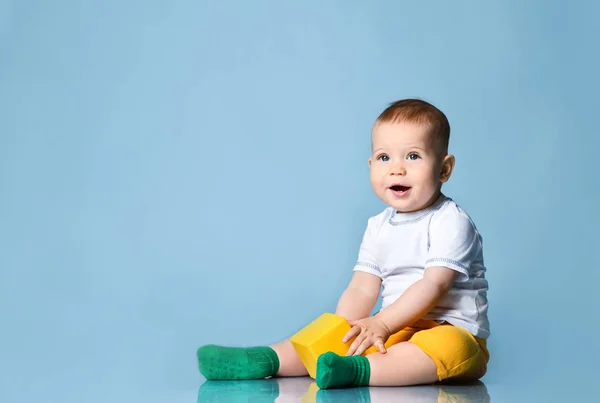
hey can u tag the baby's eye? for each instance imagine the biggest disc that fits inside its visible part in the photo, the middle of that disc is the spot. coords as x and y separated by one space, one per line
413 156
383 158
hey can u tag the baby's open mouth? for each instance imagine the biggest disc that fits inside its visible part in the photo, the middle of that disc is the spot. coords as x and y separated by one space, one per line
399 188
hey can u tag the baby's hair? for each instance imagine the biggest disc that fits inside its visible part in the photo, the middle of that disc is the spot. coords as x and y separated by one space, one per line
420 112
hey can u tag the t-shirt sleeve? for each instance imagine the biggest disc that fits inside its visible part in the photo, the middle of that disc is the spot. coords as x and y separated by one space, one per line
454 242
368 253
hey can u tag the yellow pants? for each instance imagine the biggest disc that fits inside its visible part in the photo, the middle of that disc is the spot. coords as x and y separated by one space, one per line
458 355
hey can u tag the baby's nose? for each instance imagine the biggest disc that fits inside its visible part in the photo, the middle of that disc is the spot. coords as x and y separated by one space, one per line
398 170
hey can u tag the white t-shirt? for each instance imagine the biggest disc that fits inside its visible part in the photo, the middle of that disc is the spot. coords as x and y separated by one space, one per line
399 247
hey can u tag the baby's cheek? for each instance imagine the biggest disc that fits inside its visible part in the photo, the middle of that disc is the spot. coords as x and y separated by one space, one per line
375 180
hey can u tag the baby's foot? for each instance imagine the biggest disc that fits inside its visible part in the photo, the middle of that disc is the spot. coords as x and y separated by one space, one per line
334 371
216 362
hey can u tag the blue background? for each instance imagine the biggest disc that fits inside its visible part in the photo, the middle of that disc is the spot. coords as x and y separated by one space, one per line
189 172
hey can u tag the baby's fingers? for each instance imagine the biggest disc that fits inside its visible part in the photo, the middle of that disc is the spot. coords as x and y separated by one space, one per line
379 344
351 333
356 344
366 343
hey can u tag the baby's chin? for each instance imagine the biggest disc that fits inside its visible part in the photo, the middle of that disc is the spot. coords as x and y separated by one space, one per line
407 206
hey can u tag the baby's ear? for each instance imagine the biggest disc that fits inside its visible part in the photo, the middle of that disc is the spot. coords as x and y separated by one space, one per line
447 167
369 162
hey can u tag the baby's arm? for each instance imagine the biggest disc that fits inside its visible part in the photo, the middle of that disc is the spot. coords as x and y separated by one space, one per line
359 298
455 244
418 299
412 305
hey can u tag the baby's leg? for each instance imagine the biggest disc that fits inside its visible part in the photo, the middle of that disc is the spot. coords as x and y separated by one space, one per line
289 362
404 364
452 353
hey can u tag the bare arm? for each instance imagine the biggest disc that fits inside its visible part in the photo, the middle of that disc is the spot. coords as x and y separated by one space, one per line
359 298
418 299
412 305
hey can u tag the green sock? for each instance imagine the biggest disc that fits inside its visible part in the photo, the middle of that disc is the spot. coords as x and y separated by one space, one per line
216 362
334 371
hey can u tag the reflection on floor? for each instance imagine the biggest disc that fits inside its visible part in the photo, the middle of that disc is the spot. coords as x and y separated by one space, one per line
305 390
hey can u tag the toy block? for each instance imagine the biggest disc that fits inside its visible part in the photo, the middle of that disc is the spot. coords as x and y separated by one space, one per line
320 336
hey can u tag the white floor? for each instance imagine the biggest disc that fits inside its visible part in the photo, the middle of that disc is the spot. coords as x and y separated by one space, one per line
304 389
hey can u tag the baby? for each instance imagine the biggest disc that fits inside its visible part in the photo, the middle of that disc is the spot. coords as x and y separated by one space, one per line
425 255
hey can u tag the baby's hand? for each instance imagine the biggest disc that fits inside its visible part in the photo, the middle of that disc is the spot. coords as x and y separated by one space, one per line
370 332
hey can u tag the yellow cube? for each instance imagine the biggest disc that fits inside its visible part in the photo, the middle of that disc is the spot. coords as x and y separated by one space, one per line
322 335
325 334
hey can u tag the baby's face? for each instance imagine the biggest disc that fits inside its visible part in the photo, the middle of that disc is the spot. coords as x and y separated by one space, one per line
405 166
